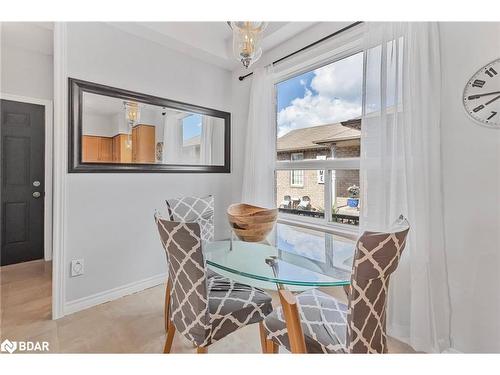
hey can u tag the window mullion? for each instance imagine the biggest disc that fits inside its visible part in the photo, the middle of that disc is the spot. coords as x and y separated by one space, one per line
328 194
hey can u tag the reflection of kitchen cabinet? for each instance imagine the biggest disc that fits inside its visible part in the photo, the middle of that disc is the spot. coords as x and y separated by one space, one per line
96 149
122 153
106 149
90 149
99 149
143 144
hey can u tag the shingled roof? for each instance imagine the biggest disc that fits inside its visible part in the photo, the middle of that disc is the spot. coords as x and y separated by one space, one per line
317 137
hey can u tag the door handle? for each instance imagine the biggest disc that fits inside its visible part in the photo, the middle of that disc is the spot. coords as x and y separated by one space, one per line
36 194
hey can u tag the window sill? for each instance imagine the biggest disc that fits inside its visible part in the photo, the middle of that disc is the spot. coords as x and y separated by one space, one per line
344 230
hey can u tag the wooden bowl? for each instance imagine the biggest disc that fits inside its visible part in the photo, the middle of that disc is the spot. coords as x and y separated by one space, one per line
251 223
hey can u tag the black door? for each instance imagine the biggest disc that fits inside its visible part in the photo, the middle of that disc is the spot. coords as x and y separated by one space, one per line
22 181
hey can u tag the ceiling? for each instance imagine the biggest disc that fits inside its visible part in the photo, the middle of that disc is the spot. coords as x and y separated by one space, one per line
208 41
108 106
33 36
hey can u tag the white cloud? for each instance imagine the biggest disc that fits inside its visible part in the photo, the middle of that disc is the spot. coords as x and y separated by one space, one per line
337 97
315 110
342 79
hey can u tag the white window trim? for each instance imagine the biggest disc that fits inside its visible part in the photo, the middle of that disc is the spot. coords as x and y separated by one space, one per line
296 185
345 45
292 184
345 230
340 163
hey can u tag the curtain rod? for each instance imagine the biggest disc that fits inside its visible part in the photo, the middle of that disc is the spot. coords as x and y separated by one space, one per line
241 78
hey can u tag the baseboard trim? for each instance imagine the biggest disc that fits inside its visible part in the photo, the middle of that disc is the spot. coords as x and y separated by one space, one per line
80 304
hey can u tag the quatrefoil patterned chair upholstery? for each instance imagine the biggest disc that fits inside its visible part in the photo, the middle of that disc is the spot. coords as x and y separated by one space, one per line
194 209
203 308
330 326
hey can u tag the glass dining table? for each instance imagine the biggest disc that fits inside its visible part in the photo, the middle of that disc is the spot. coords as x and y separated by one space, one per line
299 259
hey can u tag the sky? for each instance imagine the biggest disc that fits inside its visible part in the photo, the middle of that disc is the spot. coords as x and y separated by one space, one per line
191 126
323 96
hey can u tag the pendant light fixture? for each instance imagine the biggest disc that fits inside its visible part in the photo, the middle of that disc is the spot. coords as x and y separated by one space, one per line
132 114
247 39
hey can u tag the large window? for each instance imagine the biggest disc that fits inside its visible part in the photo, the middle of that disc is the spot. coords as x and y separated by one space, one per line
318 142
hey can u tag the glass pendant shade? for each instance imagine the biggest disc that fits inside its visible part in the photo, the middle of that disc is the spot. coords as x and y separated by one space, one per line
131 113
247 39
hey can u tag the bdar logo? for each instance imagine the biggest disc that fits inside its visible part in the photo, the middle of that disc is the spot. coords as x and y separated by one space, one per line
8 346
24 346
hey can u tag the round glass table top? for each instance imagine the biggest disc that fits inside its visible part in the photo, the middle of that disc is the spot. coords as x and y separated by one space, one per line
301 257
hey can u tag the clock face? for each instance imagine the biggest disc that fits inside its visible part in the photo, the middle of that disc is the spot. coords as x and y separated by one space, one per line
482 95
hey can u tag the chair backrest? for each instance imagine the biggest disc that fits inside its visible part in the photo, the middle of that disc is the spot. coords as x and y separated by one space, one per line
287 198
306 198
194 210
377 257
187 275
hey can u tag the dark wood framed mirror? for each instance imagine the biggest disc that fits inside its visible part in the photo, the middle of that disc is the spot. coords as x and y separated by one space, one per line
115 130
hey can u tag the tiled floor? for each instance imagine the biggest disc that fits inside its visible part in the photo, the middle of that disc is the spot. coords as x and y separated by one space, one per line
132 324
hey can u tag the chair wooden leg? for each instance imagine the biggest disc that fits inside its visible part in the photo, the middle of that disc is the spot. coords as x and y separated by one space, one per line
271 347
347 290
170 337
202 350
292 318
167 304
268 346
262 332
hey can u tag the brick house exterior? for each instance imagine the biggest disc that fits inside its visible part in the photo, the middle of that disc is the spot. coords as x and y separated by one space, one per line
340 140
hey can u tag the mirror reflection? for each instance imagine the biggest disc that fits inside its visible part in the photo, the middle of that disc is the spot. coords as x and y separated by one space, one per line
121 131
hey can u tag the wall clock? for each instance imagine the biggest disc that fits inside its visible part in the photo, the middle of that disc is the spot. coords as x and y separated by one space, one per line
482 95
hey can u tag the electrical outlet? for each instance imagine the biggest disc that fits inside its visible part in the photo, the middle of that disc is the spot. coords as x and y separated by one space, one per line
76 267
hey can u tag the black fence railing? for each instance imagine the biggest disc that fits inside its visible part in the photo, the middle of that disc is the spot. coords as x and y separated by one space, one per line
337 218
296 211
345 219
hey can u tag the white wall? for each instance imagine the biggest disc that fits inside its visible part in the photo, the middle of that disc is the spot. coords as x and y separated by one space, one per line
99 124
110 216
471 177
26 60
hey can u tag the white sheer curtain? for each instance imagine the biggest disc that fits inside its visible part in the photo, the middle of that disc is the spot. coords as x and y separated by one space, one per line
172 139
260 148
401 173
206 142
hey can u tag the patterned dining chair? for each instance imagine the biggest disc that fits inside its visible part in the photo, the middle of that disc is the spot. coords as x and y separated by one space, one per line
203 309
194 209
319 323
